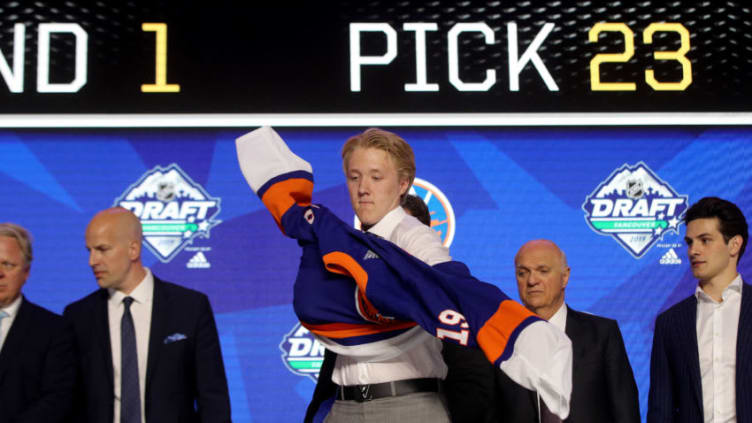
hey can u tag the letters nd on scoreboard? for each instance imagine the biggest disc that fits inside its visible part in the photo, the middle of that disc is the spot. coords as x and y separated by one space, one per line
386 57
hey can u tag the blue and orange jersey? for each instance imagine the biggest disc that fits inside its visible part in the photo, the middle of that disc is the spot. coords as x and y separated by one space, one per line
354 288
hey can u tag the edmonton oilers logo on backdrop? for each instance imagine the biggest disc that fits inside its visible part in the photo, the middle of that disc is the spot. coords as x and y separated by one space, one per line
302 353
635 207
442 214
173 210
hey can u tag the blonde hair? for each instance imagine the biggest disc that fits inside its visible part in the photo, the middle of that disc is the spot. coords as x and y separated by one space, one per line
22 236
397 148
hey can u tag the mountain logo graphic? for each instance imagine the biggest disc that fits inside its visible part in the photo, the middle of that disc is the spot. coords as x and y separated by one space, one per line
635 207
173 210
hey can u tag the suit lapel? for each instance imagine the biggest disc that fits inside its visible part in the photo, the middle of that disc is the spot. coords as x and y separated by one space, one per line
574 331
743 342
159 311
14 339
745 325
572 328
687 331
102 332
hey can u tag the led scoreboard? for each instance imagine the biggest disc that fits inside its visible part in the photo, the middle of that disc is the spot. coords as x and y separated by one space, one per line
378 57
593 124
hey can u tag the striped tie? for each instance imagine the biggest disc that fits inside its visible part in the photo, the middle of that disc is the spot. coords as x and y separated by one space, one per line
130 397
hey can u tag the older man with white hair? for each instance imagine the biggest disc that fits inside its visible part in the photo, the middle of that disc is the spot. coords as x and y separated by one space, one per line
36 346
603 385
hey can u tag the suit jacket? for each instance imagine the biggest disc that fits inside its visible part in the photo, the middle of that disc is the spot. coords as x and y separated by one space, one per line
469 385
675 381
603 385
37 367
185 378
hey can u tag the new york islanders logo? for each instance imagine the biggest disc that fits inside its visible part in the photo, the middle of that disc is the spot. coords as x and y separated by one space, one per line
172 208
439 207
635 207
302 353
442 214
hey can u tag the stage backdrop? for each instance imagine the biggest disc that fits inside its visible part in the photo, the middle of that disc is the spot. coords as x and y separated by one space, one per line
593 124
611 197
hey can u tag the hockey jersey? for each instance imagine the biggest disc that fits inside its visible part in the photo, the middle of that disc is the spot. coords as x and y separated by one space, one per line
358 293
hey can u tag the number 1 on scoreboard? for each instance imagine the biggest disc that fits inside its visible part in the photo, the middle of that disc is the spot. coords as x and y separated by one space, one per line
160 85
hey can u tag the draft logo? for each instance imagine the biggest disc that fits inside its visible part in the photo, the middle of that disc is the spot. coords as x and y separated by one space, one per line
442 214
635 207
173 210
302 353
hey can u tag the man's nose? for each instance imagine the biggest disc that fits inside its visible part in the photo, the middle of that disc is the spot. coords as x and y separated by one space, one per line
364 187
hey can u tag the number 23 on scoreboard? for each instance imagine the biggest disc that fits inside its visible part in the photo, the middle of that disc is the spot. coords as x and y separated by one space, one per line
647 37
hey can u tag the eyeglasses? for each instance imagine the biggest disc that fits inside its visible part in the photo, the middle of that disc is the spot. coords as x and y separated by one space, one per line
8 266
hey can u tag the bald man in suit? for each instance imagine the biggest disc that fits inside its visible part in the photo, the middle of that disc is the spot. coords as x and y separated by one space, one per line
603 385
148 350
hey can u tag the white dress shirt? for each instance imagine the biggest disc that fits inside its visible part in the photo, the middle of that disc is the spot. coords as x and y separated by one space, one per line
717 327
559 319
141 312
424 359
7 322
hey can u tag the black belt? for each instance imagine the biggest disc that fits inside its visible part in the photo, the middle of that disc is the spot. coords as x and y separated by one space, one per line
360 393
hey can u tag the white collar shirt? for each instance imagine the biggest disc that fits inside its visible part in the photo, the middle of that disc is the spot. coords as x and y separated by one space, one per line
7 322
559 319
423 360
141 308
717 326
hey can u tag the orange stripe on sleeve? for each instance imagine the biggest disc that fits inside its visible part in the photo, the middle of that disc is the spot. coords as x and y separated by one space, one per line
497 330
284 194
347 330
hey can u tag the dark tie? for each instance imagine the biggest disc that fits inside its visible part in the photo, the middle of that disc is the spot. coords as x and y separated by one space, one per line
546 415
130 397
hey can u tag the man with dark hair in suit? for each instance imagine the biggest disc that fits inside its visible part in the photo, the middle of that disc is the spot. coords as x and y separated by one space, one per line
700 368
36 346
603 385
148 350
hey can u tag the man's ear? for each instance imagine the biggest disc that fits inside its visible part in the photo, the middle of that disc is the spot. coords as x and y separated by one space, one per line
565 277
134 250
404 186
735 244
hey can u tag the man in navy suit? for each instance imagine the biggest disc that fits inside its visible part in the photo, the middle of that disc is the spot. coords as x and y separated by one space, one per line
148 350
603 385
36 347
700 367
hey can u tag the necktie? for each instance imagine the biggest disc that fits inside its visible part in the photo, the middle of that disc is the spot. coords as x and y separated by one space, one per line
3 315
130 397
546 416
